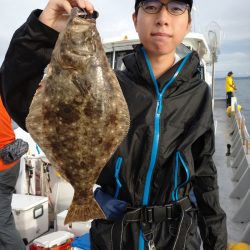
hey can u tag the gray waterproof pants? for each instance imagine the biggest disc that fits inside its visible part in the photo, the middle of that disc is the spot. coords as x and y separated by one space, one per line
9 236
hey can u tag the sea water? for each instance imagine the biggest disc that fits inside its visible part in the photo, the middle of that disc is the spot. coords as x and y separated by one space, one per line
242 93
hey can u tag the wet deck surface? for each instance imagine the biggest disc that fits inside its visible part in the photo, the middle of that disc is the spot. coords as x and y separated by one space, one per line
225 172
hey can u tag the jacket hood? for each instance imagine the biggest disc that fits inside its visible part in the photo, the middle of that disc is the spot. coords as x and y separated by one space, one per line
135 64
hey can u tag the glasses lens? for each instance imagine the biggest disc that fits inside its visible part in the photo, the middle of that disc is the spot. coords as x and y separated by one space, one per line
177 8
151 7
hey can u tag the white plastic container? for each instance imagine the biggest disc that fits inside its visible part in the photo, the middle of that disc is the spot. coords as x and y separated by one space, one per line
77 228
54 240
31 215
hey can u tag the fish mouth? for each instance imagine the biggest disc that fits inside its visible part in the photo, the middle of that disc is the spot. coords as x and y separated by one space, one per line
83 13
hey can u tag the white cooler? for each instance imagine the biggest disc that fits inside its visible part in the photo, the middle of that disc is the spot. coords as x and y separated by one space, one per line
54 240
77 228
31 215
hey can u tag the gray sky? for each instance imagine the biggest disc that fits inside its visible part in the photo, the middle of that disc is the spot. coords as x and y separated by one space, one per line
115 21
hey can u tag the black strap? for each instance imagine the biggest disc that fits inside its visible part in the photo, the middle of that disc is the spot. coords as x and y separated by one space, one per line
155 214
184 225
116 235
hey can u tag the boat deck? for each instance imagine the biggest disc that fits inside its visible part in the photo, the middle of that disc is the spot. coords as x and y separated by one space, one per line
225 172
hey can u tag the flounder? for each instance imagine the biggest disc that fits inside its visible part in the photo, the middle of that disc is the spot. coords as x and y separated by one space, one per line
79 116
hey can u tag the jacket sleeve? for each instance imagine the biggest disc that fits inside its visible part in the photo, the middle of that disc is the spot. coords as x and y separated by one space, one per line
28 54
211 218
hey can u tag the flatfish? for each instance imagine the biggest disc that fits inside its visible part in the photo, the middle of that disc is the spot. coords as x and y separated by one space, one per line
79 115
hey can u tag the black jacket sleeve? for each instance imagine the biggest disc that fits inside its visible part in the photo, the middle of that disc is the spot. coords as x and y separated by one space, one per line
211 219
28 54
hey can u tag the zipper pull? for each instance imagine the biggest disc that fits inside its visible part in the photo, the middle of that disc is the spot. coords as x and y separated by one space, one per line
159 106
117 171
151 245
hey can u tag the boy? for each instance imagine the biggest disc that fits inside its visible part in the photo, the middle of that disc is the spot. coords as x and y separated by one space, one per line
168 151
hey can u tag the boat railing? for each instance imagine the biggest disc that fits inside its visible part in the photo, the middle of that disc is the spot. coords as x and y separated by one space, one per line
245 135
240 164
241 121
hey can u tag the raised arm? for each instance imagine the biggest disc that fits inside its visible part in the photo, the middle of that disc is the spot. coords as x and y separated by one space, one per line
29 53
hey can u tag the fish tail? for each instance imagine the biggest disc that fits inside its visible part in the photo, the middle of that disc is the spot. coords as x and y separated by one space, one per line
83 212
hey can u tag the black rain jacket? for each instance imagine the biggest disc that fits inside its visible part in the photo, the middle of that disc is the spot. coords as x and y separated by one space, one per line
186 131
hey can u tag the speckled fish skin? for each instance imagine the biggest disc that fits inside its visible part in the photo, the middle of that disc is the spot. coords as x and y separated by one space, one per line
79 116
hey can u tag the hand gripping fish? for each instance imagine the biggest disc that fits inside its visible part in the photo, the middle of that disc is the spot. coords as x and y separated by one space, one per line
79 116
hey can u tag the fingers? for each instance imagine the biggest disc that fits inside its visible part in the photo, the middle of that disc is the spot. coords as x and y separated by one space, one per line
89 6
52 14
67 6
84 4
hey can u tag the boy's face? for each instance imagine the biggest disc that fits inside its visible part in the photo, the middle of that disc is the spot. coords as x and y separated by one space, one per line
161 33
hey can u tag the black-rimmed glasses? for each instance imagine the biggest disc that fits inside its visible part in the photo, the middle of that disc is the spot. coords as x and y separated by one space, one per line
175 8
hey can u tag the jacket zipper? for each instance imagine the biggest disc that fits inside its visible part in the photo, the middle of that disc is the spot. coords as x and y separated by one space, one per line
118 166
156 137
175 192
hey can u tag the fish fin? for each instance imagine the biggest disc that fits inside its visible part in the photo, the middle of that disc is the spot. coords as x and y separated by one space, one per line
83 212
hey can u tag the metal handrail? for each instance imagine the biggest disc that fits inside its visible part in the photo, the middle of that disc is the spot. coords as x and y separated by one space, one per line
242 126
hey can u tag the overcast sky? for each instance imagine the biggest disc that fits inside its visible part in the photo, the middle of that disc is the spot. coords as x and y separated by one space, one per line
115 21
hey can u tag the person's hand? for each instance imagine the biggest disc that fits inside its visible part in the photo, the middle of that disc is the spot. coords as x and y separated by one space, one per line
54 13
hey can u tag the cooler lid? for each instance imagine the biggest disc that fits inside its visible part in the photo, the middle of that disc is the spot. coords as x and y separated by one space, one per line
53 239
24 202
62 214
